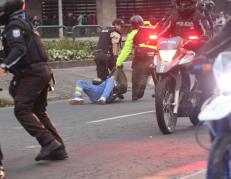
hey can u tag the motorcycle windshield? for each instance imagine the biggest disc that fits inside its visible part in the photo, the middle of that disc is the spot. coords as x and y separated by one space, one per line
169 43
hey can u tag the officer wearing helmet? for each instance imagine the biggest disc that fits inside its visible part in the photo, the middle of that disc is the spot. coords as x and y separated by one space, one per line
26 58
185 21
107 49
141 63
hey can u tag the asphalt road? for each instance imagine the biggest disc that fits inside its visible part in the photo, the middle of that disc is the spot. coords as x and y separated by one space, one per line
116 141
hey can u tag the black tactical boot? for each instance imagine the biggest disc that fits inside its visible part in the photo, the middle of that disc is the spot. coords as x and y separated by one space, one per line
48 149
59 154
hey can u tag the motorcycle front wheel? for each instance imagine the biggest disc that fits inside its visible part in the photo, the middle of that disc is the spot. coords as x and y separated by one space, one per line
166 119
219 159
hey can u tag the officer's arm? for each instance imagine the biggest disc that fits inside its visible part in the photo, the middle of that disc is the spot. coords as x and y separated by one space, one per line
127 49
219 43
16 44
209 19
200 27
167 27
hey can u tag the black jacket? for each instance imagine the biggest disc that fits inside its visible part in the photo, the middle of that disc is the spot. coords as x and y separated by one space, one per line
177 25
105 40
22 45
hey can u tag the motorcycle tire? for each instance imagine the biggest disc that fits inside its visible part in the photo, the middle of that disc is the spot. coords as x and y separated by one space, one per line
218 167
165 95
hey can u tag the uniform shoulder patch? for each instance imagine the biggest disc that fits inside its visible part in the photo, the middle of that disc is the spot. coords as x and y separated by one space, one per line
16 33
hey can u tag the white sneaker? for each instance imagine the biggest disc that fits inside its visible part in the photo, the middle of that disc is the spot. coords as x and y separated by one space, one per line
102 100
2 172
76 101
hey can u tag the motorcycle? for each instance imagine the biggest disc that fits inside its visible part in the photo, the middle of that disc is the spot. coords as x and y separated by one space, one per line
216 113
176 91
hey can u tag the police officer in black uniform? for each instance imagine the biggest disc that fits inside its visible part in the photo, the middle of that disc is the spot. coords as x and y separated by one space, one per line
107 49
185 21
26 58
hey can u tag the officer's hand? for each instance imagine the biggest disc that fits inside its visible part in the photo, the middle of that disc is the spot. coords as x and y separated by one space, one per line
2 72
119 66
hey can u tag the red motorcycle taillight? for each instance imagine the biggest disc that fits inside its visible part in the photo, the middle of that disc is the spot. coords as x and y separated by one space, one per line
193 37
153 37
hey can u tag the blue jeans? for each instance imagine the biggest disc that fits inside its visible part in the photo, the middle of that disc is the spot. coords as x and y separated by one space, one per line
94 92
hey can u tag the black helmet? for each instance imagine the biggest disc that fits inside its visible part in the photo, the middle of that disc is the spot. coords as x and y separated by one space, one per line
9 8
186 6
136 21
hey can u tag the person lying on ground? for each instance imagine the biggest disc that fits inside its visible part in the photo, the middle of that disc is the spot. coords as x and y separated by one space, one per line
98 92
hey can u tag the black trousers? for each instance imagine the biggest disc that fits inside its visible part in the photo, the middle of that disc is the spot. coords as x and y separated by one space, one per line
30 98
141 70
104 64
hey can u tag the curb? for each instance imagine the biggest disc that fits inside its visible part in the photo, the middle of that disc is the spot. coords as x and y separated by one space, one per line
76 63
69 64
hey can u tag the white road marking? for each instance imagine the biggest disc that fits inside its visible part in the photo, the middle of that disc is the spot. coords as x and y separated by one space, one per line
32 147
195 175
120 117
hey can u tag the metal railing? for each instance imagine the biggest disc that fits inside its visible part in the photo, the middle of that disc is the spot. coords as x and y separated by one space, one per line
53 31
86 31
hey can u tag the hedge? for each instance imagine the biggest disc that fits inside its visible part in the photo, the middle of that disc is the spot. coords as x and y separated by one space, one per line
67 49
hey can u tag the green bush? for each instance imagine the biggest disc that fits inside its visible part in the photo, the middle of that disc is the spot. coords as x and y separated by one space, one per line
5 102
66 49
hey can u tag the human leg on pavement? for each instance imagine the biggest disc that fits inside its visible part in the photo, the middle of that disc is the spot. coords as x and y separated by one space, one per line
93 91
39 110
27 91
109 85
140 74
